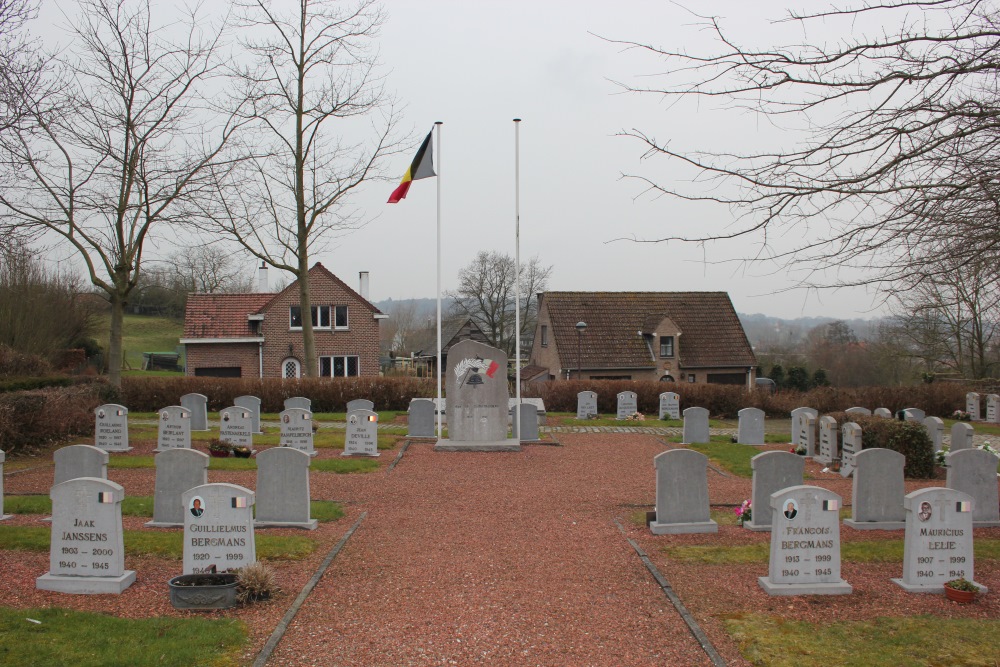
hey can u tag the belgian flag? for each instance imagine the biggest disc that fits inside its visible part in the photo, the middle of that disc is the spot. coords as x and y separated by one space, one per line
421 167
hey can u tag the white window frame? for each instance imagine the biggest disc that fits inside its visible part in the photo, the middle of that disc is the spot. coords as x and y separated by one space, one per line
346 358
298 368
316 320
347 318
673 342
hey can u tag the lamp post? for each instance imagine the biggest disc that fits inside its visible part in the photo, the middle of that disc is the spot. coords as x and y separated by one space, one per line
580 328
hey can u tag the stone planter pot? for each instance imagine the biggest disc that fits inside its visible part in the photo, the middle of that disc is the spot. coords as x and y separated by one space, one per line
961 597
217 454
203 591
242 454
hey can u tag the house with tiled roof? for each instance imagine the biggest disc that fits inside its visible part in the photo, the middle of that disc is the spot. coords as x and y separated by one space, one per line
260 334
669 336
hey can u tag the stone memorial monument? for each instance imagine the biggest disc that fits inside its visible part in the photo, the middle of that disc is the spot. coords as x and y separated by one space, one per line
79 461
251 404
828 441
360 404
528 421
628 405
751 427
695 426
586 405
298 403
236 426
974 473
86 552
772 471
420 418
177 470
477 399
3 457
197 405
670 405
961 436
111 428
173 429
972 406
935 431
682 493
798 416
218 528
297 430
877 496
283 489
850 434
362 434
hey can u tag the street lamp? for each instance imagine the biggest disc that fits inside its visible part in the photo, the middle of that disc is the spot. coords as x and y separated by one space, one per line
580 328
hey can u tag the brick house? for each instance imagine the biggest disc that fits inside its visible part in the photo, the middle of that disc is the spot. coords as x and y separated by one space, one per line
669 336
260 334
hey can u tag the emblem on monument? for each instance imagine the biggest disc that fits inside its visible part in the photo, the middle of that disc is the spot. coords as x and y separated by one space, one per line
468 371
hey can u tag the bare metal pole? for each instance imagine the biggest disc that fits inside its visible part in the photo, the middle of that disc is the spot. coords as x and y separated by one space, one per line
439 401
517 274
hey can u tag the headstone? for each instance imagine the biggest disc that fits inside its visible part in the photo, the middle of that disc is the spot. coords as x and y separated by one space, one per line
586 404
914 415
3 516
478 397
974 473
938 543
79 461
695 426
751 427
528 420
628 404
805 543
935 431
670 405
218 528
850 434
809 435
173 429
236 426
961 436
537 402
828 446
877 497
885 413
362 434
993 408
442 410
972 405
360 404
252 404
197 405
283 489
111 428
86 551
177 470
298 403
420 420
798 415
859 411
682 493
297 430
771 471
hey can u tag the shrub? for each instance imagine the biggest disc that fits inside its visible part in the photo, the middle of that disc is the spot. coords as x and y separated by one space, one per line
255 582
31 419
14 363
908 438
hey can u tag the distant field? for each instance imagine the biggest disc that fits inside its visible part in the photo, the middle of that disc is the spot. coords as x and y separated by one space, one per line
144 333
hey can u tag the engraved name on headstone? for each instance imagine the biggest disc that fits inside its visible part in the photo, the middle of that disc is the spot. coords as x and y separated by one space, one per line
877 496
993 408
420 418
236 426
750 430
628 404
283 489
851 438
251 404
771 471
111 428
828 440
173 429
935 431
218 528
296 430
79 461
695 426
177 470
586 404
974 472
682 493
670 405
197 405
362 434
972 405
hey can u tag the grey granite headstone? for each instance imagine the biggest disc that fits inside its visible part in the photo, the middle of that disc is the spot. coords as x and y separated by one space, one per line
218 528
537 402
751 427
236 426
972 405
586 404
695 426
885 413
828 441
478 398
251 403
850 434
3 457
961 436
529 424
360 404
297 430
283 489
938 543
443 410
809 435
79 461
111 428
197 405
805 543
771 471
914 415
173 429
682 493
877 497
859 411
361 438
420 420
935 431
993 408
298 403
670 405
177 470
628 404
974 472
86 552
798 414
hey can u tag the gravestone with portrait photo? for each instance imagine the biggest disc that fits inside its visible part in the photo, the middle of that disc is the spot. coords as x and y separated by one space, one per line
935 431
972 406
283 489
298 403
884 413
586 405
173 429
682 493
79 461
937 546
252 405
628 405
974 472
177 470
297 430
360 404
218 528
3 457
801 433
478 396
828 440
850 435
695 426
420 418
670 405
914 415
236 426
993 408
86 550
197 405
771 471
361 438
111 428
961 436
877 496
750 430
805 543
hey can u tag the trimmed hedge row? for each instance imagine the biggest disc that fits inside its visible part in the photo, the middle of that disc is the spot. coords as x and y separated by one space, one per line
31 419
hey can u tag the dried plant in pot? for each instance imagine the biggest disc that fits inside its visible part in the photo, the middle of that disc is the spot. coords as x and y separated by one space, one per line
961 590
218 448
255 582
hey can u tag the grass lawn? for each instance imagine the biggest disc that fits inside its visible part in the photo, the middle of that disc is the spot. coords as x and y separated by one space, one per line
883 551
65 637
569 419
727 455
322 439
145 333
337 465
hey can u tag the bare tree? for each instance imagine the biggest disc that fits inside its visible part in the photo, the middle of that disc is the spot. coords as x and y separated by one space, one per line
113 141
319 125
20 62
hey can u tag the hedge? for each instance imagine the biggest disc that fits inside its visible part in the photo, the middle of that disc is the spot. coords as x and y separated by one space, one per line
30 419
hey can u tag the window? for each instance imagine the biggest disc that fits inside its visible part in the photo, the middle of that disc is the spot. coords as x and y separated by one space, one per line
320 317
545 335
338 367
690 377
290 369
340 317
666 346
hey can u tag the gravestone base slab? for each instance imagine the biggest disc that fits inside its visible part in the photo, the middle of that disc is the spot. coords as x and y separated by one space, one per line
985 524
843 588
683 528
931 588
361 455
448 445
875 525
119 450
312 524
750 525
4 517
822 459
163 524
85 585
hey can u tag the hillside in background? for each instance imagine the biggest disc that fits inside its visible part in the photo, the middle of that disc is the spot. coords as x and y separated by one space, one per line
766 330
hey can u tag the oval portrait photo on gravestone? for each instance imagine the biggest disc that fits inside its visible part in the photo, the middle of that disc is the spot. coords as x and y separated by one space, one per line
925 511
791 509
100 414
197 506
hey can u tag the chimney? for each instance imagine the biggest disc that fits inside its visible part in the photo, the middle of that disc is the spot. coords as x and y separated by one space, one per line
363 289
262 278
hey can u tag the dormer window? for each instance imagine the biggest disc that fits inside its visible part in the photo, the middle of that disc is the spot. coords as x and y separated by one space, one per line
666 346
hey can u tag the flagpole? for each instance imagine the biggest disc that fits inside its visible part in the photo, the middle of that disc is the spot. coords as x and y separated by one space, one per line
439 402
517 274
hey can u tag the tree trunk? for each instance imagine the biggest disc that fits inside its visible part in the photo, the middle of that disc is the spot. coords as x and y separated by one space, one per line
115 341
308 340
